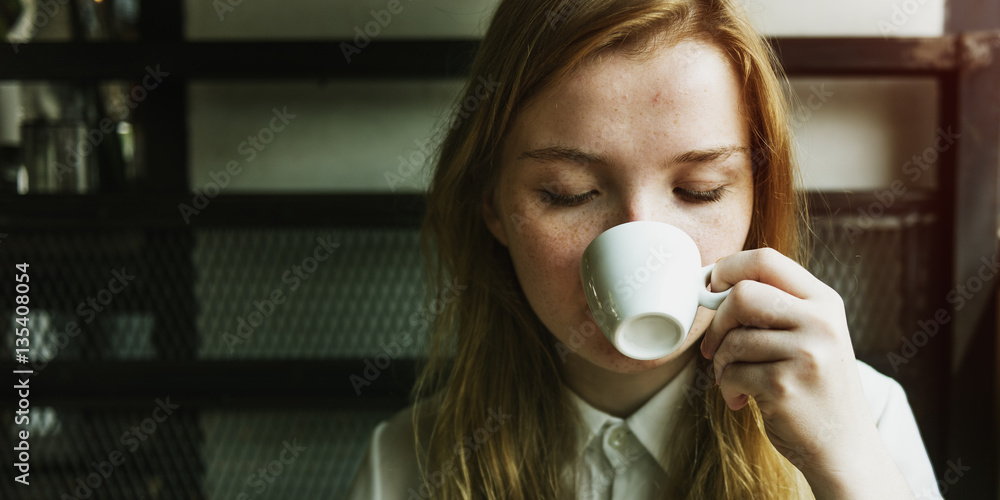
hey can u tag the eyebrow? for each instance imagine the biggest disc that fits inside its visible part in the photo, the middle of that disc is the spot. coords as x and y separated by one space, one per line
554 154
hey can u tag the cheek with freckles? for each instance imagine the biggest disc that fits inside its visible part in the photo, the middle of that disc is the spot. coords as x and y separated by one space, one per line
547 259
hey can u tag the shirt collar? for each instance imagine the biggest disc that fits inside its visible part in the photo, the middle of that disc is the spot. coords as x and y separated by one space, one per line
650 423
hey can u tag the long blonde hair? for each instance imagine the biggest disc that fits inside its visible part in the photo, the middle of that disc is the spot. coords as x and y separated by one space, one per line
489 354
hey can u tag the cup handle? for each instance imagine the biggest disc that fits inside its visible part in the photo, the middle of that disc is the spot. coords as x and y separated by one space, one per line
708 299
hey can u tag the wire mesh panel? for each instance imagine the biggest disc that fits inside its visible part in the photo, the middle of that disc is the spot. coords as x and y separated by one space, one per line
866 269
126 291
307 293
284 454
150 453
882 272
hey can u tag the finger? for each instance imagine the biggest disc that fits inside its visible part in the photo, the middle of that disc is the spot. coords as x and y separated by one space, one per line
752 379
753 345
734 400
754 304
768 266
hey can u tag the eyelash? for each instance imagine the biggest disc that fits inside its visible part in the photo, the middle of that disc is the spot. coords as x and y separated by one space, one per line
573 200
564 200
703 196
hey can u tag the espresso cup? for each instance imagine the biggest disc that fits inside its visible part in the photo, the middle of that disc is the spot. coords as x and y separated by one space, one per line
644 282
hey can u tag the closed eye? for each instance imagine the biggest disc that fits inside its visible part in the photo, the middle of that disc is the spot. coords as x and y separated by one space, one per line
567 200
701 196
572 200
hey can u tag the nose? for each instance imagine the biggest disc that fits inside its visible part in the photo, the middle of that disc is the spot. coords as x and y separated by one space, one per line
647 202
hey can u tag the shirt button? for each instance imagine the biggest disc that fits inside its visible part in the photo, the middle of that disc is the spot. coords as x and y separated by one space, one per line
617 436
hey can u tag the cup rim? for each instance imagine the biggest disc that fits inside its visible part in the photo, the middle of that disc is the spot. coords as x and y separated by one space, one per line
636 352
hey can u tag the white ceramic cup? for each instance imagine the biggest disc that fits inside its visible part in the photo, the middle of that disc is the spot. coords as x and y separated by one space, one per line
644 282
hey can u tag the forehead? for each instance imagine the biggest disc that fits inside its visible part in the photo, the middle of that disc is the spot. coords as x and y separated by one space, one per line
683 93
684 64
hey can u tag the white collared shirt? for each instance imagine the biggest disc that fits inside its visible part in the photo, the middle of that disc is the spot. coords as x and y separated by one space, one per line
627 458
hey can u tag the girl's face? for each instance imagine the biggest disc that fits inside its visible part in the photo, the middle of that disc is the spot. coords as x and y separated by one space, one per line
621 140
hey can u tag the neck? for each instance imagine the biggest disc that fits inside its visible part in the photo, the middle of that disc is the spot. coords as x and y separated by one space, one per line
620 394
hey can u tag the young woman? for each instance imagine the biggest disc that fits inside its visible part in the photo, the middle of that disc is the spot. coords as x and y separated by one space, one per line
604 113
